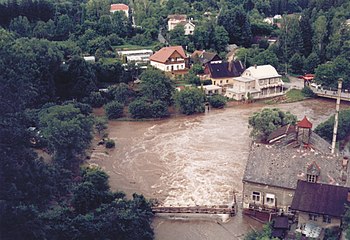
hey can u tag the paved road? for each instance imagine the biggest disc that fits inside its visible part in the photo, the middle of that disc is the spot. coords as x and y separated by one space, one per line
294 83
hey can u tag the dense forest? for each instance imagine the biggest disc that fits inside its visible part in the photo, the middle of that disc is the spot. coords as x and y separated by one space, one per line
47 91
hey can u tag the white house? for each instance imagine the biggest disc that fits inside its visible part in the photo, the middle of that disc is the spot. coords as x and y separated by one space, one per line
174 20
210 90
256 82
170 59
120 7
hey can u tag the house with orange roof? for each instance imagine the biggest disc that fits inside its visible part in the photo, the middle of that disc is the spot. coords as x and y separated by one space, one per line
170 59
120 7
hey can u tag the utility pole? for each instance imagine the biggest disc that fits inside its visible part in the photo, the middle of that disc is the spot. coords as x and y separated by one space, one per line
335 129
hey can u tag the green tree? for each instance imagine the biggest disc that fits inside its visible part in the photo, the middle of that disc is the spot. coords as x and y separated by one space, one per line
221 39
96 99
21 26
156 86
177 36
122 93
139 108
296 64
190 101
311 62
114 109
217 101
64 27
100 124
325 129
237 24
268 120
266 57
67 131
159 109
96 8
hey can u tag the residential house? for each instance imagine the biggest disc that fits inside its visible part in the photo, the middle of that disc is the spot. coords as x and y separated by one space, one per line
120 7
210 90
273 170
256 82
174 20
319 206
222 73
204 57
136 56
170 59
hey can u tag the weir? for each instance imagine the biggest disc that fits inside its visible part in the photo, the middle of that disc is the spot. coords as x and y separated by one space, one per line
230 209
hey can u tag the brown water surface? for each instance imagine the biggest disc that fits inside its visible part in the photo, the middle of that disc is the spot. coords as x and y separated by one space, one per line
191 160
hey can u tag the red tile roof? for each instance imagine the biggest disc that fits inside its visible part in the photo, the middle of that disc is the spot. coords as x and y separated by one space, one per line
119 7
163 54
305 123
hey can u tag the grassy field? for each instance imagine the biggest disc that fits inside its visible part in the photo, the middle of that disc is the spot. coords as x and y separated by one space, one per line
294 95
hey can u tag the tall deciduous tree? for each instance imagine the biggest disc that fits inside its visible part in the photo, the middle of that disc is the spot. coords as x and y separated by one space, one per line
190 100
268 120
156 86
67 131
237 24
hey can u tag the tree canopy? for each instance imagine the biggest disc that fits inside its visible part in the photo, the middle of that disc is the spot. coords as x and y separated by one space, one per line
267 120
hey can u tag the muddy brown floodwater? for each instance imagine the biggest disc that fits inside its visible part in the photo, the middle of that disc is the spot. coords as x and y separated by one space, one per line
191 160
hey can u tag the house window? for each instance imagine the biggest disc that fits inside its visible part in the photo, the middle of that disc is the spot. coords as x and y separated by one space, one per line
313 217
221 81
167 68
214 82
326 219
270 199
226 81
311 178
256 197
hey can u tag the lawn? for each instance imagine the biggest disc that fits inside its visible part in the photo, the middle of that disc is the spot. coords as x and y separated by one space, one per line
294 95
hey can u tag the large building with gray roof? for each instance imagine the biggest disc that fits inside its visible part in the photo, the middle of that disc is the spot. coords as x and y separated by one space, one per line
273 170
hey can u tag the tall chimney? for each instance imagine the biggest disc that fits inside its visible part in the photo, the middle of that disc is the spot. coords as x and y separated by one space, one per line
335 129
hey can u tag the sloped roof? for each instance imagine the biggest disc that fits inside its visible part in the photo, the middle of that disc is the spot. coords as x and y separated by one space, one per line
178 17
284 162
305 123
119 7
225 69
320 198
163 54
205 57
313 169
280 132
261 72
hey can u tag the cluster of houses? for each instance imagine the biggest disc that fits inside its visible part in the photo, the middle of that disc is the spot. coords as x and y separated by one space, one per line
230 79
295 177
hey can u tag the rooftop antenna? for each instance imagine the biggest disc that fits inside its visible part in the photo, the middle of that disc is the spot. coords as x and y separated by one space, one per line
335 129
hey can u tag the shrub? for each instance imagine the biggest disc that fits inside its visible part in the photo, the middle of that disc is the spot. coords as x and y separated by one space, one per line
121 93
96 99
139 109
217 101
110 143
114 109
307 92
159 109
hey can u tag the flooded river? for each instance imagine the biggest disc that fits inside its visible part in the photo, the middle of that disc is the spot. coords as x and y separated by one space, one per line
191 160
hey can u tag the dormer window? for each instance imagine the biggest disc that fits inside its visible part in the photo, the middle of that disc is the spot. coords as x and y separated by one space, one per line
311 178
312 172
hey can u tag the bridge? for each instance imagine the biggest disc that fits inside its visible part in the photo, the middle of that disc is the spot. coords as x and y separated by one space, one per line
220 209
331 93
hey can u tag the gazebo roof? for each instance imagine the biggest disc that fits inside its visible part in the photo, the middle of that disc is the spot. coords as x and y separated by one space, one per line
305 123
